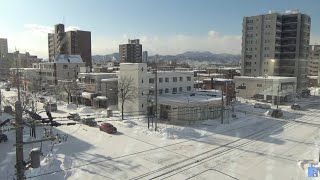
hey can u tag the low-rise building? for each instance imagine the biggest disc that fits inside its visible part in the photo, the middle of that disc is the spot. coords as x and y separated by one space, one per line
64 67
91 86
168 82
269 88
189 107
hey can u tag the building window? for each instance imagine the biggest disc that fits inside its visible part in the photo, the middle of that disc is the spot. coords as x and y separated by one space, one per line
65 66
180 78
142 81
68 74
160 91
166 90
188 78
142 69
151 91
142 105
151 80
188 88
160 80
167 79
180 89
174 79
174 90
259 85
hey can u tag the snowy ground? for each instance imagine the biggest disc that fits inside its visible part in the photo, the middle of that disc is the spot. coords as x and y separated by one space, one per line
252 146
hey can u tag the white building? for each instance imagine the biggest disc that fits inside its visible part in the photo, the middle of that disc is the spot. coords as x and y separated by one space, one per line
64 67
268 88
169 82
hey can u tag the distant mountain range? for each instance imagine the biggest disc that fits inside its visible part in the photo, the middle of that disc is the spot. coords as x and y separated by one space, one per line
188 56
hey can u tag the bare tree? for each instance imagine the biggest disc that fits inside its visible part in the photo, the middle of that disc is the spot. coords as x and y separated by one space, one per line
127 91
26 98
57 91
69 87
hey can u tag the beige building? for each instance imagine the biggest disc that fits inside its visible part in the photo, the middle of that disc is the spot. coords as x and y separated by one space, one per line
3 47
269 88
64 67
131 52
314 60
276 45
70 43
24 60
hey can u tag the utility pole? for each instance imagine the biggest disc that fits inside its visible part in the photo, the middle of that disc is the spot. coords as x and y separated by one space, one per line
156 97
20 164
75 81
0 103
222 105
278 99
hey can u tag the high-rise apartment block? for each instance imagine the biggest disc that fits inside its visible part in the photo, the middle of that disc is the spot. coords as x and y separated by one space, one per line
3 47
314 60
277 45
131 52
145 56
70 43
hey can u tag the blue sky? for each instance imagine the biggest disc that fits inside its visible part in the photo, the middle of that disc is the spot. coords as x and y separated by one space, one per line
164 26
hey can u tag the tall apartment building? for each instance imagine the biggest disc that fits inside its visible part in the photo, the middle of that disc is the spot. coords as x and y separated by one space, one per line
70 43
314 60
3 47
131 52
145 56
277 45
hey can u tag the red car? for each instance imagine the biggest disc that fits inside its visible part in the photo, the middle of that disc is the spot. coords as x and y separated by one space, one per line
108 128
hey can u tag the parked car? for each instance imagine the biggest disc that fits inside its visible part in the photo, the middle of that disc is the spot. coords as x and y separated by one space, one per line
262 106
108 128
90 122
7 88
295 106
74 116
277 113
52 106
3 138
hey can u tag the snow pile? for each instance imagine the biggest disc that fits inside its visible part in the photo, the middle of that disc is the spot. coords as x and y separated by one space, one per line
53 163
86 110
127 123
72 106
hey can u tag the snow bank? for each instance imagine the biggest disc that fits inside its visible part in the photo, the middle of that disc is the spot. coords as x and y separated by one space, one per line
86 110
126 123
72 106
173 132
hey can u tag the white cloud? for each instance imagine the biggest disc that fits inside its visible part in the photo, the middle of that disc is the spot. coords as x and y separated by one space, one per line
34 40
174 44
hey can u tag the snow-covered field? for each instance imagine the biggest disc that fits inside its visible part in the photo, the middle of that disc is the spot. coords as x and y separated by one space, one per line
252 146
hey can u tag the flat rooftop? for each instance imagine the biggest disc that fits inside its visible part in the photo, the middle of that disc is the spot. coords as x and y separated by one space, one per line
262 77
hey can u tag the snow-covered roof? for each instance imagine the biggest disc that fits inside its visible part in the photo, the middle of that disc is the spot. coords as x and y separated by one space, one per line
62 58
313 77
187 100
101 97
97 74
262 77
110 79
